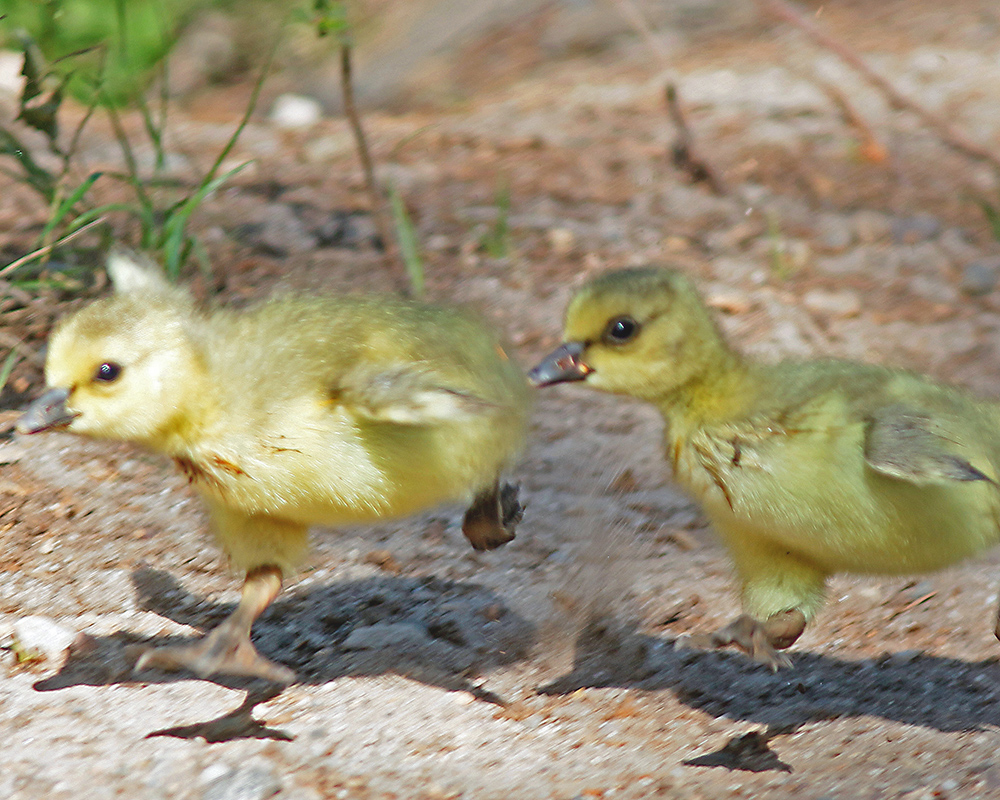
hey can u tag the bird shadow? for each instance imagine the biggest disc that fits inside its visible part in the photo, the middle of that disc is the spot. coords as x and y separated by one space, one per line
747 753
914 688
438 632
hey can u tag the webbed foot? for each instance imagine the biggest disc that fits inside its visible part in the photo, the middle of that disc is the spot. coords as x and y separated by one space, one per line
492 518
226 650
759 640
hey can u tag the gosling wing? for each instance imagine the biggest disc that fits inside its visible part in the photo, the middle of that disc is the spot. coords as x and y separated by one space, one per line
914 446
408 394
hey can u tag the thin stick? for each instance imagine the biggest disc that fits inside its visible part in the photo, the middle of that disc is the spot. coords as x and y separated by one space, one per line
948 133
41 251
683 152
364 154
871 147
912 605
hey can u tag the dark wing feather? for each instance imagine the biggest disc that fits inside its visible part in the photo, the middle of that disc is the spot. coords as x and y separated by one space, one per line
912 446
407 394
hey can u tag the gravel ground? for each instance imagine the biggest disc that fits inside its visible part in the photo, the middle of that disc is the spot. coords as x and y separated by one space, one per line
555 667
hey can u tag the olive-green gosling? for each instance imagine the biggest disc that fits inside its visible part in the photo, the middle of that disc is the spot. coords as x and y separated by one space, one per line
804 468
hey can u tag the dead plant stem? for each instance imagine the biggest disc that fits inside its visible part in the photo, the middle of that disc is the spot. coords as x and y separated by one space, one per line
947 132
376 198
683 150
41 251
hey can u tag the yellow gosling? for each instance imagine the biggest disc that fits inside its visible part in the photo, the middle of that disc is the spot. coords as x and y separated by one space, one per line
301 411
805 468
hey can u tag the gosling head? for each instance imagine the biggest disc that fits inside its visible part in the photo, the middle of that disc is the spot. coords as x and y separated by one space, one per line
122 367
642 332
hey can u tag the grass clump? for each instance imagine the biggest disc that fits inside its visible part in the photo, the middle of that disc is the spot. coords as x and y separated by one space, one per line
50 165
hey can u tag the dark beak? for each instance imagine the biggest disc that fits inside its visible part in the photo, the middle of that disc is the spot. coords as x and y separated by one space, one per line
47 412
562 364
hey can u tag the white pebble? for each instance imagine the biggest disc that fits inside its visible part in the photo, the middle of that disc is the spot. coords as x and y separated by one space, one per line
43 636
561 240
295 111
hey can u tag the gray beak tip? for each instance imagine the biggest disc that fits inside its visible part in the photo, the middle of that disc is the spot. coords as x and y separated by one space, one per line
47 412
561 365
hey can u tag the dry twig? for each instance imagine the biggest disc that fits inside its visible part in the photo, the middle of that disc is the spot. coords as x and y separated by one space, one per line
870 148
911 605
377 199
41 251
682 152
947 132
634 17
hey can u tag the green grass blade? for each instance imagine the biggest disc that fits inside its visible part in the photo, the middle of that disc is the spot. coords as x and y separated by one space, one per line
8 367
154 132
91 214
496 241
992 215
35 176
174 227
408 244
131 166
244 120
66 206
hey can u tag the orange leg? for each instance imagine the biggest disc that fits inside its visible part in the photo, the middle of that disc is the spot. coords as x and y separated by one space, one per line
227 649
760 640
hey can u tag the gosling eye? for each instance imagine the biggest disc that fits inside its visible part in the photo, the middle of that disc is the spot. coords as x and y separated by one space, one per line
621 330
108 372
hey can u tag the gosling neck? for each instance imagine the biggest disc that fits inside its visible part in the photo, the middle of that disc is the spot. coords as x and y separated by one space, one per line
194 413
720 389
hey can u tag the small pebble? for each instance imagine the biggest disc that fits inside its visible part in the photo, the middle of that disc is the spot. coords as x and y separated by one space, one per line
386 634
215 772
835 233
956 245
979 277
438 243
849 262
295 111
904 657
870 226
254 782
463 698
282 232
933 289
919 228
437 792
328 146
840 304
730 301
561 240
43 636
